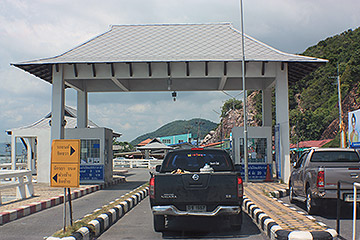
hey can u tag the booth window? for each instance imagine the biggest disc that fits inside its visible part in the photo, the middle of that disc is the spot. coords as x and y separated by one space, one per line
256 150
90 151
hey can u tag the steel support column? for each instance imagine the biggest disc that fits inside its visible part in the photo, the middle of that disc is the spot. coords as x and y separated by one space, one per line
282 118
82 109
57 118
58 103
266 108
13 152
29 152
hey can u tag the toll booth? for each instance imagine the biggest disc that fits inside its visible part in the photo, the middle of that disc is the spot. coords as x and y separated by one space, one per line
259 150
96 156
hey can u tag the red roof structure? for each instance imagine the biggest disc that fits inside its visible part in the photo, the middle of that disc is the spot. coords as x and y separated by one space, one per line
309 144
212 144
145 142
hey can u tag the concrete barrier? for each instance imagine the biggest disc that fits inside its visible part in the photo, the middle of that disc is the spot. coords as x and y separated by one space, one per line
21 179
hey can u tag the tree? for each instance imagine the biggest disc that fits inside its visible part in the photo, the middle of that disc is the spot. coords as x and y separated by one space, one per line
232 103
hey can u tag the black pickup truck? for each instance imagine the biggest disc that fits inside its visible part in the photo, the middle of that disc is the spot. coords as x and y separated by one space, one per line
196 183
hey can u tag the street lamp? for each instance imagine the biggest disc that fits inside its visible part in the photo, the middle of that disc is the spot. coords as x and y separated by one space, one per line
246 169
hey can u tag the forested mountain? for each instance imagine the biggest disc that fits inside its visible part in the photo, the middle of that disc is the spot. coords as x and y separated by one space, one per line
180 127
313 101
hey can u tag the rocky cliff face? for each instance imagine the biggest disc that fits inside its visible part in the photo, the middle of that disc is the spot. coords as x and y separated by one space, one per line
234 118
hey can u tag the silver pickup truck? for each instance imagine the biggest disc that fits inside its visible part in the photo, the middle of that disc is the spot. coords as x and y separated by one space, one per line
315 176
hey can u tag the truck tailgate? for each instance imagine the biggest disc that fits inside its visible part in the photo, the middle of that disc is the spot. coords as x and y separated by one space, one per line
335 173
196 188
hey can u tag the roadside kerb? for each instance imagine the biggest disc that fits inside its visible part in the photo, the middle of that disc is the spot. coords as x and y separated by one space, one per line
11 215
280 193
100 224
274 231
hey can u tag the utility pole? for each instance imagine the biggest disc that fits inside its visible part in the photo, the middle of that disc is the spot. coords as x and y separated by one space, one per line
198 132
221 130
188 131
341 124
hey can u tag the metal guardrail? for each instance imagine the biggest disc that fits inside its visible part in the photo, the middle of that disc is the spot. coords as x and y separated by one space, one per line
136 163
7 166
16 178
338 205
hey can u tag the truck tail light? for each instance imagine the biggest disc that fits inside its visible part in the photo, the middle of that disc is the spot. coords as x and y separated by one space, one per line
240 186
320 182
152 187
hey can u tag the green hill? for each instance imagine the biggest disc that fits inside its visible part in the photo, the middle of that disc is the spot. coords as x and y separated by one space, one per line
313 101
179 127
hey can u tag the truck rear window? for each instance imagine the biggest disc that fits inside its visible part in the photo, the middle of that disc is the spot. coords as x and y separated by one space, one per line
192 161
335 156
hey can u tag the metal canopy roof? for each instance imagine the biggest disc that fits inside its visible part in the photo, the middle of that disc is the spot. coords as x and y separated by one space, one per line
70 115
127 53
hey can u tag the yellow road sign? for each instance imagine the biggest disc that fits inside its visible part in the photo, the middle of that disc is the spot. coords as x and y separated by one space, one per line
64 175
65 163
65 151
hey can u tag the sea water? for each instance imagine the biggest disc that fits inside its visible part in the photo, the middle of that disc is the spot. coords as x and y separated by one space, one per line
5 159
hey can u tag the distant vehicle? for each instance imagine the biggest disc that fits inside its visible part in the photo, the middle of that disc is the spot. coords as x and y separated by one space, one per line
315 176
196 183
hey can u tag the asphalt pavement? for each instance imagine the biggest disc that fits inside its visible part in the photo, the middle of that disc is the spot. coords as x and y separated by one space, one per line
46 222
138 224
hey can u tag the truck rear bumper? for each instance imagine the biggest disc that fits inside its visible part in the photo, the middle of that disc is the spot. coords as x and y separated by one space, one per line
171 210
331 194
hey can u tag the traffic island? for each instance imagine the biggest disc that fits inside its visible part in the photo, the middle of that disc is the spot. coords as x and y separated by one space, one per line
93 225
277 219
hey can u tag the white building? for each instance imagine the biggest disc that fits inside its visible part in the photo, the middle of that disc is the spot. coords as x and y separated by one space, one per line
37 138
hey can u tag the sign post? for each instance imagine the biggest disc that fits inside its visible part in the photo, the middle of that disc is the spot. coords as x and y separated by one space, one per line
65 167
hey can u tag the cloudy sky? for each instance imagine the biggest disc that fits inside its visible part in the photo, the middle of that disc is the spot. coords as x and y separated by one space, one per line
45 28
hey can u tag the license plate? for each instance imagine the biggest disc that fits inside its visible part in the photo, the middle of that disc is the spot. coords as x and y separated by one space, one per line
196 208
350 197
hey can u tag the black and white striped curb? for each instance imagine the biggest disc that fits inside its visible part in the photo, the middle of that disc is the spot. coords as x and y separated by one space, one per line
274 231
285 192
280 193
105 220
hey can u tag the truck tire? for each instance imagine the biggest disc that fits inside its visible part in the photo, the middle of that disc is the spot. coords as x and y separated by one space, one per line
291 194
309 202
236 221
159 223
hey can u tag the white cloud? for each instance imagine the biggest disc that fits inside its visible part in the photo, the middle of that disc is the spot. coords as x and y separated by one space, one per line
138 108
